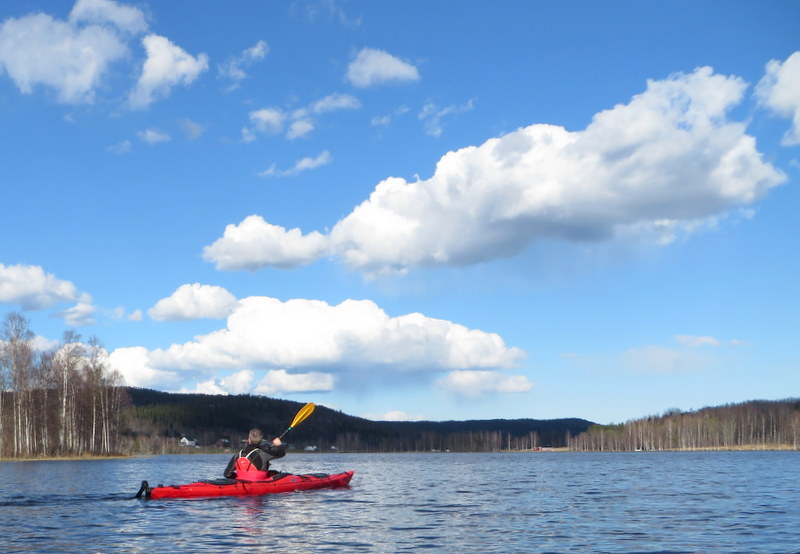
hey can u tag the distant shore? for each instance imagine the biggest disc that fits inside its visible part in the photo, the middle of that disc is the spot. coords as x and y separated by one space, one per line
742 448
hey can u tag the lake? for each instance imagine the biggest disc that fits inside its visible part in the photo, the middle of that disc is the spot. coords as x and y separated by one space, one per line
453 502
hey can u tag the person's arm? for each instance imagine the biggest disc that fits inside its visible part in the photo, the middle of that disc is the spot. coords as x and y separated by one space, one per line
276 449
230 471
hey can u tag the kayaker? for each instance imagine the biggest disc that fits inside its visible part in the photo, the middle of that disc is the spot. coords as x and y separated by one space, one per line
252 461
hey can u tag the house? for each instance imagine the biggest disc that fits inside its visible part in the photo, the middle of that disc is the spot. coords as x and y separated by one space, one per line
188 442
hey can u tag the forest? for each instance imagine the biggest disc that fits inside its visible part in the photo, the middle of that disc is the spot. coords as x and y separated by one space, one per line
63 401
68 401
757 424
155 420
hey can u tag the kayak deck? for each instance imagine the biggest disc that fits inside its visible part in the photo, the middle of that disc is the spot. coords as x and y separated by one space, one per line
277 483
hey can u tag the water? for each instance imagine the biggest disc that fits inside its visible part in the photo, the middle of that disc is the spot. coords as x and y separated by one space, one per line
542 502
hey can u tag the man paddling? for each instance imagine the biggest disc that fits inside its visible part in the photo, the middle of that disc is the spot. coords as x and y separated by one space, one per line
252 461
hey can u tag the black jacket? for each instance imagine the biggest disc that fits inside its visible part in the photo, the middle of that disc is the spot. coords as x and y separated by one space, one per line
260 461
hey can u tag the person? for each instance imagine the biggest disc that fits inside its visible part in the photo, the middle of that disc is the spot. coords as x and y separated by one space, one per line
252 461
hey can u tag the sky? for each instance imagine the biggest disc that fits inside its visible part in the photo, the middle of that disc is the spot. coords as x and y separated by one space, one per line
411 210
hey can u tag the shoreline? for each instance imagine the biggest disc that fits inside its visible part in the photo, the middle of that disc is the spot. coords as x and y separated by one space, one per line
744 448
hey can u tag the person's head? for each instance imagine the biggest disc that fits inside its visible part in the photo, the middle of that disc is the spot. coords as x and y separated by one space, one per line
255 436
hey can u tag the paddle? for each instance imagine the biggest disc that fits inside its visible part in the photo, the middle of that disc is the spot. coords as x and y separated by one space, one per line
301 416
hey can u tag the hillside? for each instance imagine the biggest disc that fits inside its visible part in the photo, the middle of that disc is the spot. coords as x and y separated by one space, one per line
154 419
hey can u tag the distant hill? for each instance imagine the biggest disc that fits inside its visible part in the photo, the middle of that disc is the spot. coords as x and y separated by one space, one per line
154 417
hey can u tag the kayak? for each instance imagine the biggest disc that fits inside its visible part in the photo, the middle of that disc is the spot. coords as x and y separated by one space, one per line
277 483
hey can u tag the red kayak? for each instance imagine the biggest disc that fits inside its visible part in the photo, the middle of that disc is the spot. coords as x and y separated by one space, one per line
278 482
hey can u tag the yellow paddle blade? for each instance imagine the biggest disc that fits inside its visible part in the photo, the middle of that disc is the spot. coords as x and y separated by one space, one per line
304 412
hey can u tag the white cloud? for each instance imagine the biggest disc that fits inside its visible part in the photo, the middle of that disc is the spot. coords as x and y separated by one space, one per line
121 148
126 18
135 315
194 301
238 383
192 129
335 102
279 381
273 121
386 120
43 344
478 383
695 341
299 129
134 366
303 343
210 387
80 314
71 59
254 243
374 67
153 136
657 359
396 415
268 121
432 115
167 65
779 90
32 288
304 164
667 162
233 68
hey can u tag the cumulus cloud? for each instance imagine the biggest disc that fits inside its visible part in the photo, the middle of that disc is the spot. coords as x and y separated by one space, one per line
73 56
80 314
375 67
304 164
194 301
299 128
478 383
123 147
304 343
396 415
334 102
661 165
66 56
126 18
432 115
33 289
279 381
266 121
234 68
134 365
166 66
254 244
779 90
153 136
298 123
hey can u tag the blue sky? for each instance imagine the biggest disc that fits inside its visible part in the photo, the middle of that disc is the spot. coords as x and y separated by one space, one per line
411 210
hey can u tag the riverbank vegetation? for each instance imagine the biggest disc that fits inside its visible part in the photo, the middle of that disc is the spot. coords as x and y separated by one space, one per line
62 401
754 425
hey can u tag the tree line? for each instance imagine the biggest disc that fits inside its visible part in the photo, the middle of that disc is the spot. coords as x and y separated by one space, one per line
156 420
757 424
63 401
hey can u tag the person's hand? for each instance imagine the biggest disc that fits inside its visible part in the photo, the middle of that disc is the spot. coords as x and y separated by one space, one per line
277 442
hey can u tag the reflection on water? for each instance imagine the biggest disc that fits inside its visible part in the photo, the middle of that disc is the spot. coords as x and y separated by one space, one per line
643 502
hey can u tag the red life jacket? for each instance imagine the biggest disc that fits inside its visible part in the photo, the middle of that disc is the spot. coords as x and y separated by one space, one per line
246 470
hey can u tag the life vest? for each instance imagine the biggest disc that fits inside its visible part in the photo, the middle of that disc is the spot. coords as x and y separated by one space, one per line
246 470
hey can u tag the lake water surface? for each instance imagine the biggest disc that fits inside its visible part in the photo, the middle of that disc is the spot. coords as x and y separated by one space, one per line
510 502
